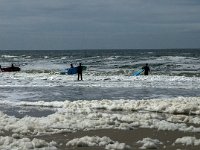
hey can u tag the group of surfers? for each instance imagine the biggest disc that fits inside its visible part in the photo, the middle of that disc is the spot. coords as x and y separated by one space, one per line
79 69
145 68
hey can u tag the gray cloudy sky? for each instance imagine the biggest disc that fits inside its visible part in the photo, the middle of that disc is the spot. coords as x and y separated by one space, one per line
99 24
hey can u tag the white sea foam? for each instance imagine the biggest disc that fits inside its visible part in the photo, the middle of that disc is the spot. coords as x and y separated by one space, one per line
179 105
188 140
48 80
25 144
8 56
149 143
85 115
106 142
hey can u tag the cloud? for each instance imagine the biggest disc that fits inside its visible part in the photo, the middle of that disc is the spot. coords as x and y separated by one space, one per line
69 24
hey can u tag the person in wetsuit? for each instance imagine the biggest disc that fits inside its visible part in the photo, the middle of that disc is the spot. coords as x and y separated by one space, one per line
70 70
79 71
146 69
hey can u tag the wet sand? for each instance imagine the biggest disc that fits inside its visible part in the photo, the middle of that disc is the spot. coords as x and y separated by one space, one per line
130 137
22 111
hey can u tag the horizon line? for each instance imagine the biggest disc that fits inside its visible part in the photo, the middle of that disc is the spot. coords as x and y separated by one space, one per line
100 49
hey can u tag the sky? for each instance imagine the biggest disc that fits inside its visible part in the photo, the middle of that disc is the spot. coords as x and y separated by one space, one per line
99 24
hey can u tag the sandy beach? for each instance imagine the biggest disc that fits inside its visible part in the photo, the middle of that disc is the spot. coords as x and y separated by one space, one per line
113 125
129 137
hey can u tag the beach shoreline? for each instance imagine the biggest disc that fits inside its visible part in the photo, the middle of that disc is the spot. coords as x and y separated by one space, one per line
128 124
129 137
147 124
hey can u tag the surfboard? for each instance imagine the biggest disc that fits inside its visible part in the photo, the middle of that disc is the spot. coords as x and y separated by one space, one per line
138 72
71 71
10 69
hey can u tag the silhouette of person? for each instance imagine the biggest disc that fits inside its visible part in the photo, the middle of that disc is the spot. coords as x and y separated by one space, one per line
71 70
79 71
12 65
146 69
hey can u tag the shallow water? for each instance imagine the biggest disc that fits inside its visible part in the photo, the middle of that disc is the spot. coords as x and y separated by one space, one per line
174 73
49 94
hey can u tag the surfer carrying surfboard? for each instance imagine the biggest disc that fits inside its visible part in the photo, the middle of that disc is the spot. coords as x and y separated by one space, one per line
71 66
79 71
146 69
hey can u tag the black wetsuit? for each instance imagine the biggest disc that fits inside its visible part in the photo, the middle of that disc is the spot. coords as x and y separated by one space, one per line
79 70
146 70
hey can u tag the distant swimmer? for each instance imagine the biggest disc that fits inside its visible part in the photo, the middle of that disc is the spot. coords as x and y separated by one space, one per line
146 69
79 71
71 65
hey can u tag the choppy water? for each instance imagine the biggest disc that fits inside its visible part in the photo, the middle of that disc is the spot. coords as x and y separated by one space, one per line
107 62
108 75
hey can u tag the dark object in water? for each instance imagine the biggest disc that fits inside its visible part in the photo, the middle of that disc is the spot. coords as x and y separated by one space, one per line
10 69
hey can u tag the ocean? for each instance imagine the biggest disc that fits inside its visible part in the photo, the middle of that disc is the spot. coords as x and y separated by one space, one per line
39 90
108 75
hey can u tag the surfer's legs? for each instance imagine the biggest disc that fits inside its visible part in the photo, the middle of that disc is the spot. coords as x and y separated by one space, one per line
80 76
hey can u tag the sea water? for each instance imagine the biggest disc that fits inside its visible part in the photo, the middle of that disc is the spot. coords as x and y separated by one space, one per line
41 99
108 75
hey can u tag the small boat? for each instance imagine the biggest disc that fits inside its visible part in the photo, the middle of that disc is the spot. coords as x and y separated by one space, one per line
10 69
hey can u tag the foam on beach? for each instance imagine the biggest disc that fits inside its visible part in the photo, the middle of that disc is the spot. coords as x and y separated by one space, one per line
188 140
25 144
107 114
148 143
106 142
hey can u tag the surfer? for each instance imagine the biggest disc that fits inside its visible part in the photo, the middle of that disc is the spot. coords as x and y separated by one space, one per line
146 69
70 70
79 71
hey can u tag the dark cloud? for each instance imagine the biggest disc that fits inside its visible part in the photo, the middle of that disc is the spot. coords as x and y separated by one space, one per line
78 24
